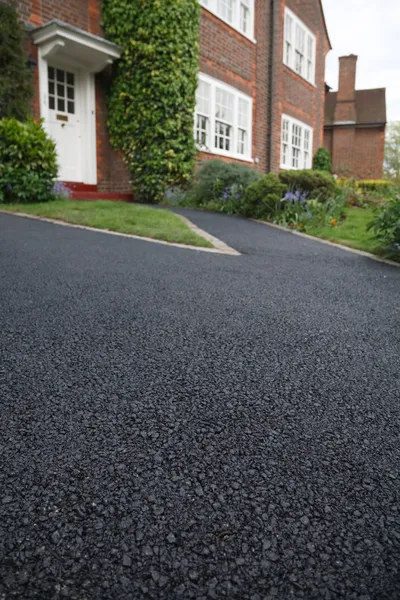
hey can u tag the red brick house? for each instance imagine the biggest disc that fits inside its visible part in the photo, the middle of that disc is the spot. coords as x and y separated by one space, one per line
262 82
355 121
260 98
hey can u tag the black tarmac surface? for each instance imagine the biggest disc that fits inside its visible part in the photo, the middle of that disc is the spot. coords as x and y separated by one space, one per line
176 424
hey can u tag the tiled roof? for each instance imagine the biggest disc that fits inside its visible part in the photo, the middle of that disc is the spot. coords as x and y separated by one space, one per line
370 107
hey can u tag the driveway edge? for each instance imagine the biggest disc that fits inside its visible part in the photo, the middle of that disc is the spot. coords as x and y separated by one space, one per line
219 244
220 247
328 243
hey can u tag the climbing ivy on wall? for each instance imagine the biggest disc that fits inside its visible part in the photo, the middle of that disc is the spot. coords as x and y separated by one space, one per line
152 99
16 88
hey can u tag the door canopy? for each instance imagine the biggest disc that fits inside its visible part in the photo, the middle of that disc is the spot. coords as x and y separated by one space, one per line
59 40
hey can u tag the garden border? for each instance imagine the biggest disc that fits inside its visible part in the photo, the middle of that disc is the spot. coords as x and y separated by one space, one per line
328 243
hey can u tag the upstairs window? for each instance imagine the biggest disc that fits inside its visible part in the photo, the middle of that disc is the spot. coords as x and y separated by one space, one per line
237 13
296 144
222 119
299 47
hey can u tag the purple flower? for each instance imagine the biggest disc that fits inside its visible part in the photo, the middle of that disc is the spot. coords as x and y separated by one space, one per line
295 196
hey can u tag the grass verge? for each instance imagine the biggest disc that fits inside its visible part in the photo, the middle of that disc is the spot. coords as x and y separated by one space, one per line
116 216
352 231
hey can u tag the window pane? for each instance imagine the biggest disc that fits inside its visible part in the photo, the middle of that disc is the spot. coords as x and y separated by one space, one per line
201 130
71 107
51 87
70 78
70 93
223 136
203 97
242 139
224 105
300 37
51 102
225 9
60 75
60 104
51 72
60 90
244 18
243 113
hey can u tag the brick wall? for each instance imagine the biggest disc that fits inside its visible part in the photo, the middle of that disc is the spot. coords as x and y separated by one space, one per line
292 94
230 57
84 14
227 55
112 175
356 152
370 146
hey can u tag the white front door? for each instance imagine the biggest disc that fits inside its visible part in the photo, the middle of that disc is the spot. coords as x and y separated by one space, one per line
64 121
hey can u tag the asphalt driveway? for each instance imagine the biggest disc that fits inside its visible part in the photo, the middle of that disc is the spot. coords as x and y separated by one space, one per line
176 424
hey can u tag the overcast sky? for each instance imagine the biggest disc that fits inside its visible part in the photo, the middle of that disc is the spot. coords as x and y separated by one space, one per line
370 29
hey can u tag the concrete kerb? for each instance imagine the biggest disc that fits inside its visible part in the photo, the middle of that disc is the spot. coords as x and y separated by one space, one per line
219 246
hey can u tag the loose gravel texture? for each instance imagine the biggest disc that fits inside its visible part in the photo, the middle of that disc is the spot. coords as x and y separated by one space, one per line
177 425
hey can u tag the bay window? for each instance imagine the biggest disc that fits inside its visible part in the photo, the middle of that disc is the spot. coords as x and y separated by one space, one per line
222 119
237 13
296 144
299 47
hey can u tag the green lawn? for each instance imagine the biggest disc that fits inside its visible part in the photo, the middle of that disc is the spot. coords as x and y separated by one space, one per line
116 216
352 231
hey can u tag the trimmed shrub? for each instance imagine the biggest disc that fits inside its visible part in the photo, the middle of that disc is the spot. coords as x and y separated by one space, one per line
16 87
215 180
380 186
318 184
322 160
152 100
262 198
386 225
28 162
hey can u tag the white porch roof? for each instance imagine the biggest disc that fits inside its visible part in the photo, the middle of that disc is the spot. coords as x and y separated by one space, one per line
61 40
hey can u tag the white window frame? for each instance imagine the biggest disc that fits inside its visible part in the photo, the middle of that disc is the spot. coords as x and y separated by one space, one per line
296 144
223 8
298 41
236 122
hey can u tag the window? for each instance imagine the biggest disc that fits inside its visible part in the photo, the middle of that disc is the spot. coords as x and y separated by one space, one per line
203 114
238 13
288 40
61 86
222 119
285 143
296 144
299 47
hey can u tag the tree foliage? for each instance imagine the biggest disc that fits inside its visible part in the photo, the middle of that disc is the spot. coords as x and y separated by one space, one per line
392 152
322 160
152 100
16 87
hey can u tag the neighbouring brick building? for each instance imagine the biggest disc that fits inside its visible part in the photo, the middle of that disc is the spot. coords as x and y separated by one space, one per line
355 122
260 98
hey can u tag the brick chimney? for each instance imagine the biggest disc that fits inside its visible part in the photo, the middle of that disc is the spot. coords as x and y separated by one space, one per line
346 97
